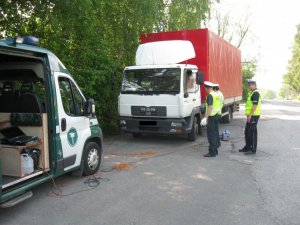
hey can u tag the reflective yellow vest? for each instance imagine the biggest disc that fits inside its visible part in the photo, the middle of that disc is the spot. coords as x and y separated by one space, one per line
216 103
249 105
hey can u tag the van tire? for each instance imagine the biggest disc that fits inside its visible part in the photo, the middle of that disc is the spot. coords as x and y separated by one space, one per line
195 129
92 158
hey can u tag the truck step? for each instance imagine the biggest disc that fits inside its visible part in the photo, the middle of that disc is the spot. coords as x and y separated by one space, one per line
17 200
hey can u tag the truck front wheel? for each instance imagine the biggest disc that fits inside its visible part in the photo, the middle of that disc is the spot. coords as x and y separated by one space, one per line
92 158
195 129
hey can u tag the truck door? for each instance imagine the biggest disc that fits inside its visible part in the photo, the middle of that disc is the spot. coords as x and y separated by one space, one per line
74 126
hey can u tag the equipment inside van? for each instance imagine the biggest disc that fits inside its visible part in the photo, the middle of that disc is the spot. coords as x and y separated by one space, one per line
23 119
15 136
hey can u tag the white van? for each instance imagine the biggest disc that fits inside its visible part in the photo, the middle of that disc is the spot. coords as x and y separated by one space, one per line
47 126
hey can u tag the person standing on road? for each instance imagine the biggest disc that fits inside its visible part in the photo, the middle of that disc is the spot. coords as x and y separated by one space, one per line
211 119
216 88
252 111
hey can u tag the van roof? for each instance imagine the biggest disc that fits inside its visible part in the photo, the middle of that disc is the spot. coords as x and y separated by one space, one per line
30 48
55 64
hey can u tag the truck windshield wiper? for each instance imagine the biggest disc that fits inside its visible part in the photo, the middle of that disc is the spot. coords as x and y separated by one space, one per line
137 92
166 92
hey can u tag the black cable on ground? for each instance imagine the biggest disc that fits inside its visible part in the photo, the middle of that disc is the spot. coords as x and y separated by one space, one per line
107 169
92 182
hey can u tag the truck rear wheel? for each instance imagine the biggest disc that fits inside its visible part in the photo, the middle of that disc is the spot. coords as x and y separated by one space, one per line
227 118
92 158
195 129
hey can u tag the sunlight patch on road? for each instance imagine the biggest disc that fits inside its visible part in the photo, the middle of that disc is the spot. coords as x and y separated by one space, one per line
201 176
175 189
149 173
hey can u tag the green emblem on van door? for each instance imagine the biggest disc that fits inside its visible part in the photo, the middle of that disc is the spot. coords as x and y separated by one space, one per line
72 136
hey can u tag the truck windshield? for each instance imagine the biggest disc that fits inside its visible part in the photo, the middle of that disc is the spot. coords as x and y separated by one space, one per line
151 81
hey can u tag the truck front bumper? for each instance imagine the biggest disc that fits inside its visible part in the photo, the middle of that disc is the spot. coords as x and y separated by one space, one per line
155 125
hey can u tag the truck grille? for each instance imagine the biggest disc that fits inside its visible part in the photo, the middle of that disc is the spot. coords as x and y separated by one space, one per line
149 111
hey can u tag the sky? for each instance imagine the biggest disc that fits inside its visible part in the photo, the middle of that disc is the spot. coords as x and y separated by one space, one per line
272 30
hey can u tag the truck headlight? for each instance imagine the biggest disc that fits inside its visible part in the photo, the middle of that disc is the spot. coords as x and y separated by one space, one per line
176 124
123 122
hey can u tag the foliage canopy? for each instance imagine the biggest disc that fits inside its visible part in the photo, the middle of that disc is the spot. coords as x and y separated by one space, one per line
291 87
95 39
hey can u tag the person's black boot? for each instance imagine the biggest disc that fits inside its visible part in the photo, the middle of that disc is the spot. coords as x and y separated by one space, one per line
209 155
244 150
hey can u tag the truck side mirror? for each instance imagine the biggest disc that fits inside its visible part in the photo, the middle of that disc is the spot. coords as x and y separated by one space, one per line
199 77
90 107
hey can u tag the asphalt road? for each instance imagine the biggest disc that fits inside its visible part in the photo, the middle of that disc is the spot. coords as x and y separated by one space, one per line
169 182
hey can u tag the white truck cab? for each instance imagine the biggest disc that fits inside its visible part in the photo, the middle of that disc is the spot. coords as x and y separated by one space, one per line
161 98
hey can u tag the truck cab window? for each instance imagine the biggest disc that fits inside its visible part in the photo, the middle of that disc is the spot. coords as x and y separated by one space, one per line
190 85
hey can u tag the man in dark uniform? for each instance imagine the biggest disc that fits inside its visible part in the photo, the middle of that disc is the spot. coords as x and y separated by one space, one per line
252 111
211 119
216 88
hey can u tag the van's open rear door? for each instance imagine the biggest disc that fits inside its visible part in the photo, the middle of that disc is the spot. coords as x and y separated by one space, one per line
0 177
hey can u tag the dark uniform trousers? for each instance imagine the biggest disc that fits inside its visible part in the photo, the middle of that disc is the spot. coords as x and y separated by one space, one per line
213 134
217 130
251 134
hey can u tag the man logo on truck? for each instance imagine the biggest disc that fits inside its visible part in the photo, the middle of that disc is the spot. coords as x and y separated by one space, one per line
72 137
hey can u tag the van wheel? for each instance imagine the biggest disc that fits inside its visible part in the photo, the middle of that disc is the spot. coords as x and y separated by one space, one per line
195 129
92 158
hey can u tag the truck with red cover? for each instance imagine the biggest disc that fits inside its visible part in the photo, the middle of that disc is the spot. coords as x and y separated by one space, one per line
216 58
156 96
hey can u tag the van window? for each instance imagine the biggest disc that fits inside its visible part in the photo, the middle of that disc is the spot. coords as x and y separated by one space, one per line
66 96
72 100
78 100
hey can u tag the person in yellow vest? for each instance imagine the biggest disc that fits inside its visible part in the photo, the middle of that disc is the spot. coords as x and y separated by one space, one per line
211 119
252 111
216 88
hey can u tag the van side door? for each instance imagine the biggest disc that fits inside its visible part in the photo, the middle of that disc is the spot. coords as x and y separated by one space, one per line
0 178
74 126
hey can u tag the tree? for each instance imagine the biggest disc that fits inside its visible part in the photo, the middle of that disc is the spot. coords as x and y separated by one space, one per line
186 14
248 71
236 31
96 39
292 78
286 93
269 94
